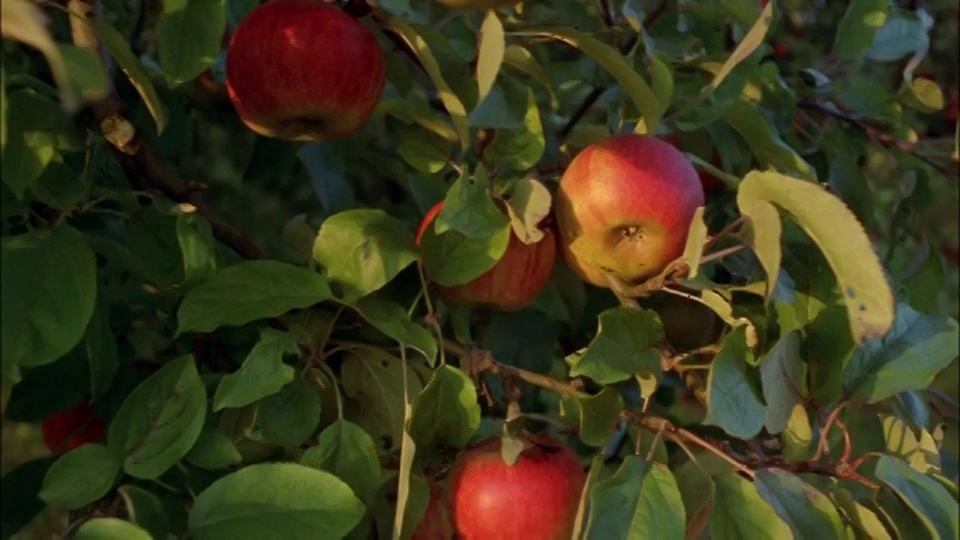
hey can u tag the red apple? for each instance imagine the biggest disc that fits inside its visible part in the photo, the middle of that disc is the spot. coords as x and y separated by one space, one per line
781 50
624 206
514 281
709 182
74 427
951 111
304 70
435 524
536 498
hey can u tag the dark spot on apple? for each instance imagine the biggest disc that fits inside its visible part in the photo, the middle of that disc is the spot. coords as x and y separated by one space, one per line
295 127
850 292
863 307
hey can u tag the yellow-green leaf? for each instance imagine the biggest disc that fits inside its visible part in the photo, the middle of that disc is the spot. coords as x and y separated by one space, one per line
490 54
521 59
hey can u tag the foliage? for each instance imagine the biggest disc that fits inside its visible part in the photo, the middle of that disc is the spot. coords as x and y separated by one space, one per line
253 318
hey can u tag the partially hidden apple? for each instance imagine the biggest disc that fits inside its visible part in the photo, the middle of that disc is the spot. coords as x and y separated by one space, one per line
709 182
624 207
535 498
72 428
435 524
513 283
304 70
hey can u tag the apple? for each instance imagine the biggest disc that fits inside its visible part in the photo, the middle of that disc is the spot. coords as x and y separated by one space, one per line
624 206
781 50
74 427
710 182
304 70
435 524
536 498
513 283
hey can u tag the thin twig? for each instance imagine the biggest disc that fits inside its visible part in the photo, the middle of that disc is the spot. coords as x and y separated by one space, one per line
724 232
823 444
722 253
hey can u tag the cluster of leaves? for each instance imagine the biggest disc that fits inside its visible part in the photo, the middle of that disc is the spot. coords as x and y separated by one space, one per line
309 393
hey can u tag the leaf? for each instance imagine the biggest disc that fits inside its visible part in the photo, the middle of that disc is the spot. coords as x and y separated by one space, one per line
520 149
858 27
275 500
861 517
808 512
249 291
80 477
263 372
189 33
628 80
641 500
924 95
798 435
347 451
697 492
732 403
422 149
110 528
100 346
394 321
517 57
841 238
928 499
446 411
528 206
490 52
739 512
452 259
469 210
363 249
451 101
85 72
326 164
899 440
145 510
133 69
916 349
903 33
197 245
598 416
763 139
750 43
696 238
213 450
623 347
160 420
18 490
784 376
26 158
291 415
48 295
762 233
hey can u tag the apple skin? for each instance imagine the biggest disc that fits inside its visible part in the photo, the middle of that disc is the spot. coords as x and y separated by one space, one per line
513 283
304 70
536 498
435 524
72 428
624 205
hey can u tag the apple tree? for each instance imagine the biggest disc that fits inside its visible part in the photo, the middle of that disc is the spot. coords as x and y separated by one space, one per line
442 269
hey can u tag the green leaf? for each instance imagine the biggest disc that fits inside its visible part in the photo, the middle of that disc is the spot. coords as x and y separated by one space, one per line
213 450
662 76
520 149
446 411
528 206
928 499
394 321
25 157
263 372
189 33
862 518
798 435
109 528
18 491
160 420
3 109
841 238
732 402
48 294
916 349
291 415
249 291
697 492
347 451
517 57
750 43
197 245
696 238
829 348
84 71
453 259
904 33
422 149
326 165
625 346
763 139
133 69
490 53
145 510
275 500
641 500
469 210
598 415
80 477
610 59
858 27
454 106
363 249
101 347
784 376
739 512
808 512
924 95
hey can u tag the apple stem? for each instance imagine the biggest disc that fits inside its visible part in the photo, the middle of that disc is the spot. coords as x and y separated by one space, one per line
724 232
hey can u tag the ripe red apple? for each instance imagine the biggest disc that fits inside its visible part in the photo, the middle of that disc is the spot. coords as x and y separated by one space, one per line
536 498
435 524
513 282
951 111
74 427
709 182
781 50
304 70
624 206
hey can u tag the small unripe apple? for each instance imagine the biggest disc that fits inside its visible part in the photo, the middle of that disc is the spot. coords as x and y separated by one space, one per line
304 70
435 524
74 427
624 206
513 283
535 498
